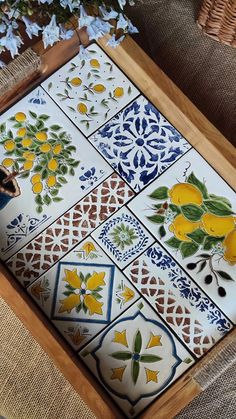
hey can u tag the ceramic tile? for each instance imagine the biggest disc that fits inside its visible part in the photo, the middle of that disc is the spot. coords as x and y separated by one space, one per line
123 237
191 210
139 143
50 167
69 229
187 310
136 358
90 91
83 293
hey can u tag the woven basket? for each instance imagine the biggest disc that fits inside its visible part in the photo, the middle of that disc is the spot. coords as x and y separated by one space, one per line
217 18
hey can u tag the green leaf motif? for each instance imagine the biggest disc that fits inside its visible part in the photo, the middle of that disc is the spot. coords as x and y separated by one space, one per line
135 371
160 193
174 208
188 249
173 242
162 231
150 358
55 127
198 236
192 212
218 208
122 355
202 266
211 241
221 198
225 275
200 185
33 115
157 219
138 342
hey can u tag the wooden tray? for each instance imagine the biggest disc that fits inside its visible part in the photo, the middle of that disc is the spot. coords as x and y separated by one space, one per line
204 137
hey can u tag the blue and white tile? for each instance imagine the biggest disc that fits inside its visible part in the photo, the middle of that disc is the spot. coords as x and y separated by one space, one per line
139 143
191 210
136 358
83 293
50 166
90 91
123 237
172 293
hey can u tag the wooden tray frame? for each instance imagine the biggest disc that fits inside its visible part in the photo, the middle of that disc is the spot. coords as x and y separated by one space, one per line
210 143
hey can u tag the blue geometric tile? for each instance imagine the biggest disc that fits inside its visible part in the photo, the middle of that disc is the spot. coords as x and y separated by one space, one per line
123 237
136 358
139 143
187 310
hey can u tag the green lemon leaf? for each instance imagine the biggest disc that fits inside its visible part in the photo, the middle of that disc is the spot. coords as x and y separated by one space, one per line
192 212
150 358
157 219
122 355
138 342
188 249
220 198
174 208
225 275
211 241
160 193
200 185
135 371
198 236
162 231
55 127
218 208
33 115
173 242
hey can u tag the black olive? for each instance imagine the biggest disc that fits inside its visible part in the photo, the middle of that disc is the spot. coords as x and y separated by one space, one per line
208 279
221 292
191 266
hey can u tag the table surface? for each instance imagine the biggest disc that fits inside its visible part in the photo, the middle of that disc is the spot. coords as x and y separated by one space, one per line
200 133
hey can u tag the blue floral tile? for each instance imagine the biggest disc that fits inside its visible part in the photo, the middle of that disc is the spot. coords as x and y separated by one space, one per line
136 358
139 143
188 311
123 237
83 293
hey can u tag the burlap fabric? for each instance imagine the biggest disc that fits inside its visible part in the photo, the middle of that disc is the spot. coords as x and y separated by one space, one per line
202 68
18 70
31 387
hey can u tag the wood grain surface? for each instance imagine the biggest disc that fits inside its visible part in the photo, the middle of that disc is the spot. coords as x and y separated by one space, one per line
200 133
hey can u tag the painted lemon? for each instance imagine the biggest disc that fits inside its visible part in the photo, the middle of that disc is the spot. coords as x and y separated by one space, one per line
99 88
185 193
45 148
20 117
7 162
26 142
76 81
53 165
94 63
230 247
181 226
35 178
217 226
21 132
9 145
118 92
57 149
41 136
82 108
51 181
28 155
28 164
37 187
